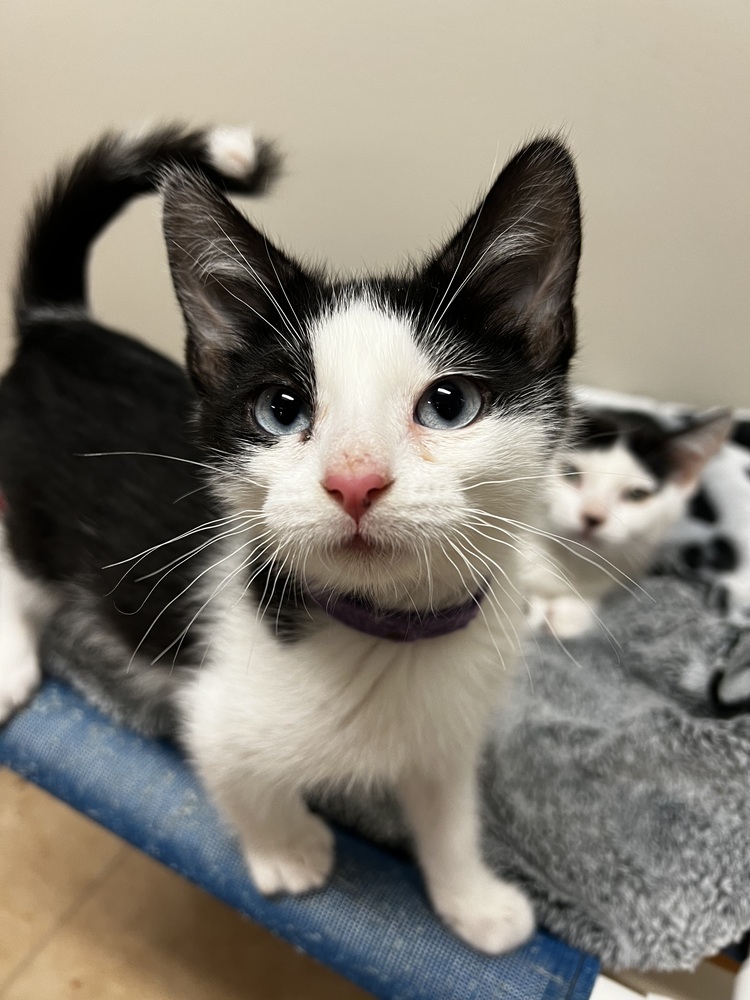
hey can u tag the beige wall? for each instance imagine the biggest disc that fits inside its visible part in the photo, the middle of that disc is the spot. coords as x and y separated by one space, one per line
392 113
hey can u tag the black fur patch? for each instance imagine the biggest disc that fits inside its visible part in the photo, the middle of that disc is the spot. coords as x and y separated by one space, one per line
510 378
741 433
280 598
79 389
646 438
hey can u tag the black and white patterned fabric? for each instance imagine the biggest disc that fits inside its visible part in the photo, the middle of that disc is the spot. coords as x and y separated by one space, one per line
711 544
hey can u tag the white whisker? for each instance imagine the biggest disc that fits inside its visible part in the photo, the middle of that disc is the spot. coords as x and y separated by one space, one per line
179 560
184 590
476 599
222 585
149 454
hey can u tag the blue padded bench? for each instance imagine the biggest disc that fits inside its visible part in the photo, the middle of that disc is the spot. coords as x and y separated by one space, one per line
372 923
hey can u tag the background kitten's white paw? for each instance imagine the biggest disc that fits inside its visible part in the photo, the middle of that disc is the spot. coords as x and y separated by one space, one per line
296 867
569 617
19 678
536 613
232 151
490 915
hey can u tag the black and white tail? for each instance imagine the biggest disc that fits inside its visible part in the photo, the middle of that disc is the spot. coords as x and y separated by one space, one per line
86 195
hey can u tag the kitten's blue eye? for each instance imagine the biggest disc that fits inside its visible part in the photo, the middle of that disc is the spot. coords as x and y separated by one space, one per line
282 410
449 404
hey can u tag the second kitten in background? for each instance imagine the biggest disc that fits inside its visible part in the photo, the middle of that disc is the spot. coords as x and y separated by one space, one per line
624 482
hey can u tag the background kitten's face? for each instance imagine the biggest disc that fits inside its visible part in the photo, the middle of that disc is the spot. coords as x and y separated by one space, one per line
605 497
629 479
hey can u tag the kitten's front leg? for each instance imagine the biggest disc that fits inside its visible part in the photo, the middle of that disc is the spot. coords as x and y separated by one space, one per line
286 847
489 914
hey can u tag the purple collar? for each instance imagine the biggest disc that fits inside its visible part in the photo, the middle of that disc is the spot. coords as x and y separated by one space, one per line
399 626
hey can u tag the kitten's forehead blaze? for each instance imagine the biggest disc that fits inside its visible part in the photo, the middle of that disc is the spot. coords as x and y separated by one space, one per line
368 370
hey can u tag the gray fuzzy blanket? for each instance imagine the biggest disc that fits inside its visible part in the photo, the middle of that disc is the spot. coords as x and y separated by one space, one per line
617 779
616 794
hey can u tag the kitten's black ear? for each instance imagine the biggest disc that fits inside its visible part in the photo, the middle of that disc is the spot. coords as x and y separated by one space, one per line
518 253
227 276
692 448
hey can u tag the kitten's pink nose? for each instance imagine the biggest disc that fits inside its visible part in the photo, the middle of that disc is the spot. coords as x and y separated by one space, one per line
355 493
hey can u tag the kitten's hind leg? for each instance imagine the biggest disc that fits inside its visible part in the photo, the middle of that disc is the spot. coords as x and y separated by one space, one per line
24 605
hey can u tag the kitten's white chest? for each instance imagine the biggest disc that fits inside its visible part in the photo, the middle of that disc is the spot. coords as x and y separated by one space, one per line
340 706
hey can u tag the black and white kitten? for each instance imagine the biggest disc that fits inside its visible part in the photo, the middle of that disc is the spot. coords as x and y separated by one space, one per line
622 484
303 562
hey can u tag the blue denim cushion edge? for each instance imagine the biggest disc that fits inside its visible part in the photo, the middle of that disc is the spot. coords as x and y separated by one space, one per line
372 923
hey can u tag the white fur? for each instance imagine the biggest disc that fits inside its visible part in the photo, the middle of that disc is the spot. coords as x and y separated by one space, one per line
268 723
232 151
23 606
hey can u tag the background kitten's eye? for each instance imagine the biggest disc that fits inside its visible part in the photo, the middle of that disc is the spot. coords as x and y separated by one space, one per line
282 410
449 404
637 494
572 474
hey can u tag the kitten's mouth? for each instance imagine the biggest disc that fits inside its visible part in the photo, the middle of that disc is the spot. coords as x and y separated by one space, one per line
359 545
589 536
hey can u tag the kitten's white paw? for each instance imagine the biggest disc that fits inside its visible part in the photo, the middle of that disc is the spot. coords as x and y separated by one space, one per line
536 613
490 915
19 678
569 617
304 864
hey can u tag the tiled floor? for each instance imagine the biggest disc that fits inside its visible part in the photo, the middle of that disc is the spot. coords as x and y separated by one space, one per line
84 916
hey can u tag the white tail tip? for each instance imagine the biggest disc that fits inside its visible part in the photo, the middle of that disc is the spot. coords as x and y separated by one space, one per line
231 151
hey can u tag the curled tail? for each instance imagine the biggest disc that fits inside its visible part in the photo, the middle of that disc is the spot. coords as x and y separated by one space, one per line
84 196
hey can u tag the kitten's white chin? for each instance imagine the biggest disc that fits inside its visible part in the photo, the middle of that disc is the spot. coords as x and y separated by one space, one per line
359 564
392 577
359 546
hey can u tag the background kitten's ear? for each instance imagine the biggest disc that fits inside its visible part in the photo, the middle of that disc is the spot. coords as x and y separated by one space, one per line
518 253
227 276
692 448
